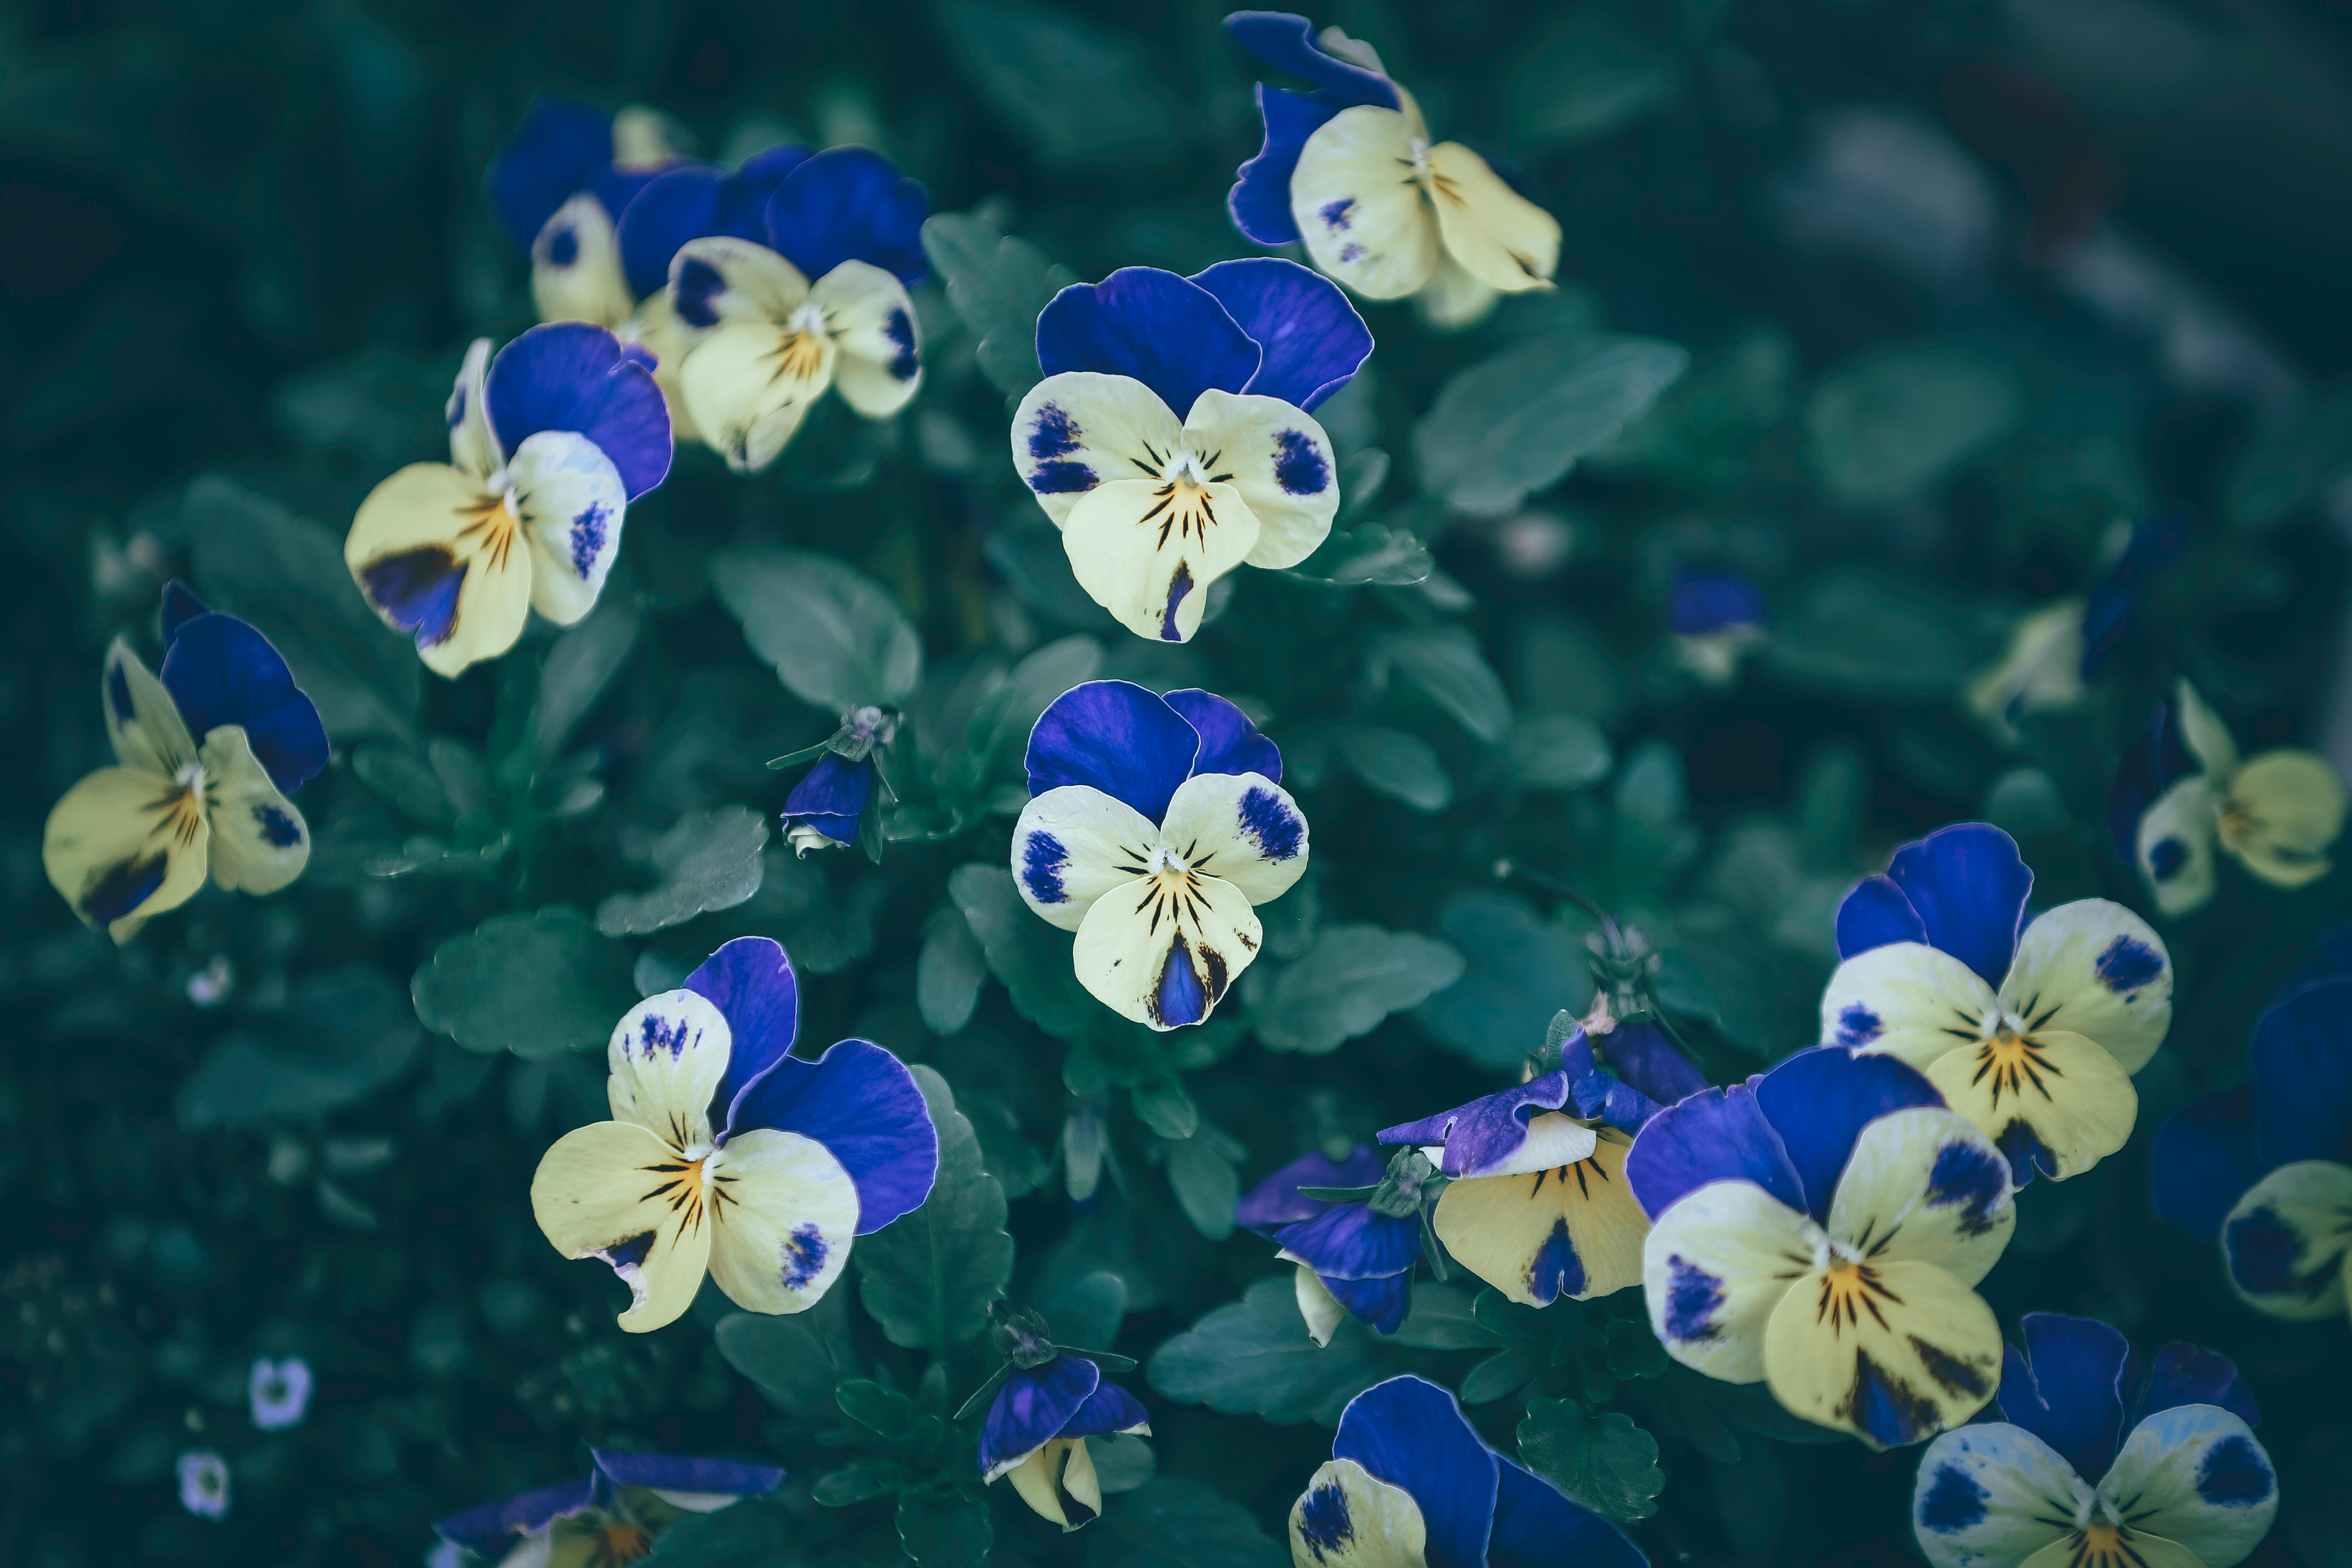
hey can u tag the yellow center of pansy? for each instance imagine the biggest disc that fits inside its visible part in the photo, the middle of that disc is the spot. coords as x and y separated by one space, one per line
183 808
1849 1289
1182 506
2013 1062
682 1182
490 524
2104 1545
623 1543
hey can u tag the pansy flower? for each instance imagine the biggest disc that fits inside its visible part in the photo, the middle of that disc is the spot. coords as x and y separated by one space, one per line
206 753
1348 171
1154 826
1045 1401
203 1483
2267 1170
1822 1228
612 1516
1352 1258
1716 618
762 326
824 808
726 1154
2096 1458
2183 792
561 186
278 1393
2031 1030
1410 1482
549 443
1171 440
2053 651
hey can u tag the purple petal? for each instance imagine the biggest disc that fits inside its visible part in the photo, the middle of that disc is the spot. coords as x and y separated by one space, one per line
1165 331
1259 202
1229 743
861 1103
832 796
1820 1101
1286 42
678 1473
221 671
1116 737
2185 1374
1275 1201
1349 1241
1643 1056
848 204
2302 1075
1378 1304
179 608
1312 338
1536 1527
1411 1435
569 375
1486 1132
1969 888
750 981
2067 1388
1718 1134
698 202
1876 914
2203 1161
492 1527
1707 602
559 145
1109 1408
1033 1407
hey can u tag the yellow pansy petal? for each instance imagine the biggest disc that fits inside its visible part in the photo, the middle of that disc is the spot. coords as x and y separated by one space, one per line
2287 1244
612 1190
142 719
749 383
1453 301
2112 1546
1058 1483
1350 1518
872 322
1324 1311
1147 550
2283 810
259 842
1714 1269
1164 949
785 1213
442 561
123 846
575 265
2052 1100
1500 238
1576 1231
2095 969
1892 1353
1906 999
1357 198
1925 1185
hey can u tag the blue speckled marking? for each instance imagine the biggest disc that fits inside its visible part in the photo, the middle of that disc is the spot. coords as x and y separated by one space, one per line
1966 1176
698 283
805 1251
1298 466
1954 1501
1692 1296
2127 965
1323 1521
1335 214
278 830
1055 434
2234 1474
417 590
657 1032
1178 586
1042 860
1276 829
900 329
1062 478
588 534
1351 252
1858 1025
2166 857
563 247
1180 999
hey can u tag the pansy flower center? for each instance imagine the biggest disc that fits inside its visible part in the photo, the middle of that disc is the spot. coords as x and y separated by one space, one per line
1851 1288
2012 1060
684 1182
491 524
183 808
2106 1545
1181 505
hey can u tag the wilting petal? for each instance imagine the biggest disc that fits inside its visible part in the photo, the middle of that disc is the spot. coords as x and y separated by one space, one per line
1575 1231
1505 1133
2288 1245
666 1055
1242 828
1718 1134
2204 1157
1033 1406
1925 1186
848 204
1536 1527
1163 949
260 843
569 500
1500 238
438 559
2303 1074
612 1190
1280 460
1323 1310
1119 738
1165 331
830 800
1891 1353
1969 888
1990 1496
2203 733
1074 844
1359 208
2195 1476
1229 743
862 1104
1714 1266
1411 1435
1312 338
220 670
124 844
872 323
2068 1386
1350 1241
1080 429
575 267
574 377
1346 1519
1148 550
142 719
749 384
2053 1102
1820 1101
1277 1201
1259 202
715 281
784 1214
2095 969
2282 811
1908 1000
2174 847
1058 1483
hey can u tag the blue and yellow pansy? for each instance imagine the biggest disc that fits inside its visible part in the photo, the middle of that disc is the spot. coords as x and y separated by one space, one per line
610 1518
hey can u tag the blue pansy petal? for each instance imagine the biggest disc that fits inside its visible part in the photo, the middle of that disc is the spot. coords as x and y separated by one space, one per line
750 981
1482 1137
1286 42
680 1473
1820 1101
1703 603
2112 607
1411 1435
2302 1073
570 376
179 608
1643 1055
2067 1387
494 1527
1165 331
1874 915
1349 1241
848 204
1536 1527
1109 1408
1259 202
1312 340
1275 1200
221 671
2186 1375
675 206
1379 1304
1116 737
1969 888
1032 1408
1229 743
861 1103
559 146
2204 1158
1717 1136
2149 766
832 796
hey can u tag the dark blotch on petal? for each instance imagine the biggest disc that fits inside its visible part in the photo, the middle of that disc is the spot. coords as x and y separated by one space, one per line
1323 1521
1299 466
1180 999
563 247
2127 965
804 1254
1858 1025
900 329
1062 478
1178 586
280 830
1886 1407
2165 858
2265 1254
1556 1270
1334 214
1692 1296
1954 1501
1956 1375
2234 1474
630 1253
1967 1176
1275 827
1041 859
588 532
698 283
123 889
118 692
2027 1155
417 591
1055 434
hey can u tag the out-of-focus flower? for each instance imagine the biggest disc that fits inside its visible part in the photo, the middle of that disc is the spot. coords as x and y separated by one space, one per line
824 808
1717 619
1352 1255
561 186
203 1483
725 1154
1154 826
1409 1482
2181 792
611 1517
1348 171
2031 1029
2098 1460
207 752
1170 441
279 1393
1821 1228
548 445
1049 1399
2266 1170
2054 650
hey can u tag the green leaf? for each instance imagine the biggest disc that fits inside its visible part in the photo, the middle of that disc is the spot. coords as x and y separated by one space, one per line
1205 1184
1557 751
1371 553
707 861
1174 1522
1520 970
1032 958
380 404
1123 1461
1585 86
1510 426
1492 1379
348 1034
1885 432
537 984
1030 554
2296 456
1075 92
796 1361
1604 1462
1753 1497
753 1533
1396 764
1351 978
1252 1357
1008 1155
1085 1312
945 1527
795 900
928 1278
578 665
871 1405
1855 632
835 637
861 1482
1444 664
1162 1104
998 284
406 782
950 972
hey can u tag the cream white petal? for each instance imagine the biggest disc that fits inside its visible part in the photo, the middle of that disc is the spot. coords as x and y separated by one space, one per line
575 267
1993 1495
1147 551
1500 238
1082 429
1350 1518
1906 999
2174 845
442 561
2051 1098
1925 1185
142 719
1243 828
784 1213
1324 1311
1059 1484
569 502
259 842
2095 969
473 445
1073 845
872 323
2288 1243
666 1056
2203 731
1714 1268
1163 949
749 383
125 844
613 1191
2194 1475
1280 460
1359 204
721 279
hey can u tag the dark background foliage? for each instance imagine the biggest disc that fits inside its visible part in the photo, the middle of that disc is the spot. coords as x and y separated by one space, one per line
1964 284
